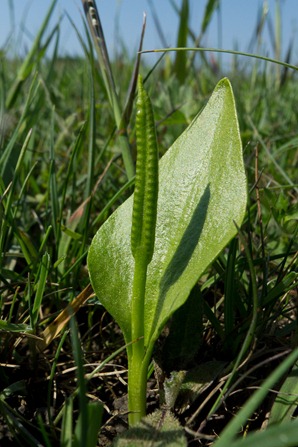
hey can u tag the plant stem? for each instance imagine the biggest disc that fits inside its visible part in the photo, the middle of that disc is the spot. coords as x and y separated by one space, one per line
137 368
138 299
142 247
137 386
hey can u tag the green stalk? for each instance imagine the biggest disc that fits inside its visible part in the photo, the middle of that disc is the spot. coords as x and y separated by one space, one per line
137 303
137 386
218 50
142 247
277 43
28 65
138 365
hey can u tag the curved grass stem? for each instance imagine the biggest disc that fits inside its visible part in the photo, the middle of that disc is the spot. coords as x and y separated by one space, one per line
220 50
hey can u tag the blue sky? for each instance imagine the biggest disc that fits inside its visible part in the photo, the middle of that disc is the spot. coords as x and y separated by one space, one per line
123 18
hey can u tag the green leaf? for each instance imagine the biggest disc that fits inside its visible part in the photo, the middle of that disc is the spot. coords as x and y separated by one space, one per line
202 192
286 401
211 6
67 424
94 411
159 429
240 419
40 287
27 67
283 435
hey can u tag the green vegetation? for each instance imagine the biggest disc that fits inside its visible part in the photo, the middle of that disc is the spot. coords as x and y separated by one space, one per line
225 364
195 214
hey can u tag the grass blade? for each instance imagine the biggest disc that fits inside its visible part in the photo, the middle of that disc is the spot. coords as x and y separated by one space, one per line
211 6
219 50
28 63
231 430
106 71
67 424
40 287
286 401
53 187
181 58
82 423
284 435
252 327
10 154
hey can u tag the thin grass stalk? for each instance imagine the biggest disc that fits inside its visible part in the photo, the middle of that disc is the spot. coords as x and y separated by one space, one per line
252 327
111 202
230 285
67 423
219 32
43 430
16 425
97 34
218 50
241 418
278 41
271 157
84 224
70 167
10 154
180 65
40 285
65 240
82 424
54 197
91 375
27 65
8 222
52 376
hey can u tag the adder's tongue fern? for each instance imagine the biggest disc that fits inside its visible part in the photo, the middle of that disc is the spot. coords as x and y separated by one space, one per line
142 247
144 206
146 183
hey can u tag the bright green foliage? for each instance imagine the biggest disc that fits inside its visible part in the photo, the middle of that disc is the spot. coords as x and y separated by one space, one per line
202 191
181 58
210 8
285 404
56 113
142 247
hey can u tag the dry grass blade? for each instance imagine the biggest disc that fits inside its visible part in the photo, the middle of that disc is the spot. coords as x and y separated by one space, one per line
106 71
100 45
54 329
